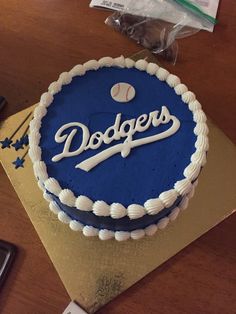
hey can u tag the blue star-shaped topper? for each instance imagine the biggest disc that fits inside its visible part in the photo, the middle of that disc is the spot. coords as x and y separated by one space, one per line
17 145
24 140
19 162
6 143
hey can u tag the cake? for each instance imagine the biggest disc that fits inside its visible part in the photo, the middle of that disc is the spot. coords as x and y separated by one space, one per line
117 147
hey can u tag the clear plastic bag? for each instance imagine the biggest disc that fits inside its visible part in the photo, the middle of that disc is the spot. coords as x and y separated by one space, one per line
155 35
156 24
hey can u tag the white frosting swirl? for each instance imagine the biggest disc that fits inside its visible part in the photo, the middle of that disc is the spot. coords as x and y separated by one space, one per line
129 63
135 211
117 211
162 74
181 89
67 197
101 208
188 97
194 105
54 88
184 203
47 196
162 223
52 185
40 111
35 124
174 214
65 78
151 230
152 68
63 217
35 152
91 65
141 65
168 197
199 157
137 234
76 226
199 116
202 143
191 172
46 99
78 70
201 129
84 203
173 80
191 193
106 62
183 186
90 231
40 185
34 137
105 234
153 206
54 207
122 235
40 170
120 62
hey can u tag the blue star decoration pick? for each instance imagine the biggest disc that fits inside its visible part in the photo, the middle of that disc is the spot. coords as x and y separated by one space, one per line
24 140
17 145
6 143
19 162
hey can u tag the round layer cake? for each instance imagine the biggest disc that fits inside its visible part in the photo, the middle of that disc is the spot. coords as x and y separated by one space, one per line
117 147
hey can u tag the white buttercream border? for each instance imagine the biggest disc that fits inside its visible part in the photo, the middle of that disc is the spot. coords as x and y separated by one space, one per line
105 234
116 210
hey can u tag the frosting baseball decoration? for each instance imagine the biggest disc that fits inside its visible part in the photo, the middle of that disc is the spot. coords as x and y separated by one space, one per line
122 92
116 171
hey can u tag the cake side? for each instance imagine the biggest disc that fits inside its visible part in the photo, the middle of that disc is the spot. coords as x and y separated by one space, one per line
119 235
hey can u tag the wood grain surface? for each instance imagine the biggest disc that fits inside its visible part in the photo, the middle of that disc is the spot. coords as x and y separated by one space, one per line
40 39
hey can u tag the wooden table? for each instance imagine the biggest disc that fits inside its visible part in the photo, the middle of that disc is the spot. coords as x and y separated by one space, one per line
40 39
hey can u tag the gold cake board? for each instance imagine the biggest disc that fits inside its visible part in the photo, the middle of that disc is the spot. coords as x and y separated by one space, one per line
94 272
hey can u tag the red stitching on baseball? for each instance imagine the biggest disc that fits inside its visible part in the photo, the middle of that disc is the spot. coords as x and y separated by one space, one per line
127 93
118 90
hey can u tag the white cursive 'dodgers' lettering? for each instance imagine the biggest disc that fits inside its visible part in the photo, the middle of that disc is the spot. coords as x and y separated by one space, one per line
115 132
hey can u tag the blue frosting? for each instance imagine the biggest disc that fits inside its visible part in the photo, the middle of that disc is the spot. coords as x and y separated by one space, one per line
149 169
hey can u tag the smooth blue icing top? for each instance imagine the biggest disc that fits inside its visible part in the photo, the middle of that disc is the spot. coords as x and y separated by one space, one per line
149 169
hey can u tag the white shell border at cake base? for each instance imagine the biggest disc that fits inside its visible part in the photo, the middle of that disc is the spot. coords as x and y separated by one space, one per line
117 210
120 236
